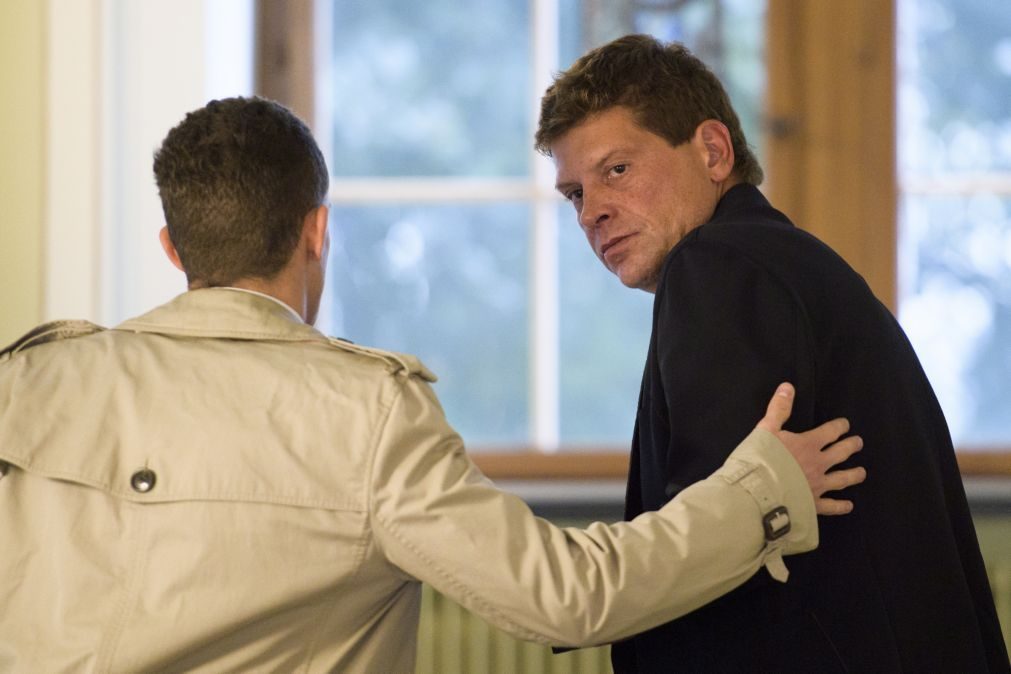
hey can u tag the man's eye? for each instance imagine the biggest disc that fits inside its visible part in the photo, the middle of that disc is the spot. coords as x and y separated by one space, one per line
574 195
618 169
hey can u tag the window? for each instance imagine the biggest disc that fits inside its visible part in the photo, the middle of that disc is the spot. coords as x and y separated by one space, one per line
448 239
954 160
887 139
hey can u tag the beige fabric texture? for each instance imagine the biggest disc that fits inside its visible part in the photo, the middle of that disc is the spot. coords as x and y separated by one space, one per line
303 488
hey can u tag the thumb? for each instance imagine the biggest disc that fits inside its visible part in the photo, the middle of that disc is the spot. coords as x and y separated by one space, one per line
779 409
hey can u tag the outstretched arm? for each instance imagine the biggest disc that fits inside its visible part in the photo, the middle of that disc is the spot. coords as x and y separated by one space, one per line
437 519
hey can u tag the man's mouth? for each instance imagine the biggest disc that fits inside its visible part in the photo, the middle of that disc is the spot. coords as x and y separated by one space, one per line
611 243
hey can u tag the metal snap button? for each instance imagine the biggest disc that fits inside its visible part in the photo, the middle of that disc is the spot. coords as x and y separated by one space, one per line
143 480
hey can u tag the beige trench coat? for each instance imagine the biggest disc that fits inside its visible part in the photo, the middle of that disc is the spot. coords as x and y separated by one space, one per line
215 486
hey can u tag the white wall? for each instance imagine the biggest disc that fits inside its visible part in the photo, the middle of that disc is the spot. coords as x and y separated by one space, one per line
121 74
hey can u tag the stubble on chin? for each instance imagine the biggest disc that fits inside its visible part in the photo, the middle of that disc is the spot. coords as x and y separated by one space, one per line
643 276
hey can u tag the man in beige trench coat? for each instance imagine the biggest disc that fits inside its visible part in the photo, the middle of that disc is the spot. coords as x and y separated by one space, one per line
217 486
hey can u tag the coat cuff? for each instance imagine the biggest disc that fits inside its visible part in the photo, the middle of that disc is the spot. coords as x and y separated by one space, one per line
763 467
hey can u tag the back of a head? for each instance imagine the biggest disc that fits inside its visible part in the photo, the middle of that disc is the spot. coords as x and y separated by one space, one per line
236 179
669 90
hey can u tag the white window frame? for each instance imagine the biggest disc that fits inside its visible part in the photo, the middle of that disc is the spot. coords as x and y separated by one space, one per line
121 74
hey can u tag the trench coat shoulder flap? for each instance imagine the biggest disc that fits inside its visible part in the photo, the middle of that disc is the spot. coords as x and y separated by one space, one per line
398 362
52 331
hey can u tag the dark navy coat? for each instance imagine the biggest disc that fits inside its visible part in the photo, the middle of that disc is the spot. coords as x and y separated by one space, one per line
745 302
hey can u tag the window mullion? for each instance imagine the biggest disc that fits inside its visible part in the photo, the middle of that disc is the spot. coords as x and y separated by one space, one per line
544 305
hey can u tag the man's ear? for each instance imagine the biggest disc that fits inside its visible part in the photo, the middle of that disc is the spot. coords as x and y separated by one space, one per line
314 229
712 137
170 249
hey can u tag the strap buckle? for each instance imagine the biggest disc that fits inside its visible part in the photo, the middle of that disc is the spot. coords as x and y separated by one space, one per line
776 523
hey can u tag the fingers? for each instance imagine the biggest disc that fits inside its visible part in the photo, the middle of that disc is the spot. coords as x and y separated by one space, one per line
828 432
831 506
779 409
840 479
842 450
834 481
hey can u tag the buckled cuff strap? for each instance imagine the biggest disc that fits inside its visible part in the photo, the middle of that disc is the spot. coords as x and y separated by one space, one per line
775 522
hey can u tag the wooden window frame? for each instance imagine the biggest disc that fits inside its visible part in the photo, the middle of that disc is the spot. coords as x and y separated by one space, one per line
830 143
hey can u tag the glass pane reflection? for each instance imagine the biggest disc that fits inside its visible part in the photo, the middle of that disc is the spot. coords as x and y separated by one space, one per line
956 308
954 151
954 59
425 89
448 284
604 332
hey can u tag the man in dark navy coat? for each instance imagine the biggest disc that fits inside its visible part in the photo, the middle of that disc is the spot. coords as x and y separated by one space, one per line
650 152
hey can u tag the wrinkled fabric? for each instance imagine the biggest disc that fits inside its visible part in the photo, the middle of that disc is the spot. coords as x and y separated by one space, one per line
744 302
297 489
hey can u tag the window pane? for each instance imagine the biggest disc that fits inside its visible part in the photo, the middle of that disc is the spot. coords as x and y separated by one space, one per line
604 332
954 149
425 89
728 35
448 284
956 308
954 86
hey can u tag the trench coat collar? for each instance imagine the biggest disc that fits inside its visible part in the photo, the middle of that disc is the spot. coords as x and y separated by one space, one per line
221 312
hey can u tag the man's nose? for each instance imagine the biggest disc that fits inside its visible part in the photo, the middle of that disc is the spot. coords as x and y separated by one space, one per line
596 209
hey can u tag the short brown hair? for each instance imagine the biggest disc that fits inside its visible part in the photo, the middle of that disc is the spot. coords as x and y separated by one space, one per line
666 87
236 179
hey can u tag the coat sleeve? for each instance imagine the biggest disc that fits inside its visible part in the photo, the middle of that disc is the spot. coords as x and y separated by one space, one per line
438 519
727 333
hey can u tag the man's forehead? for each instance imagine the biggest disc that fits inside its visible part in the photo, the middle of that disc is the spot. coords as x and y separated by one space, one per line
610 126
